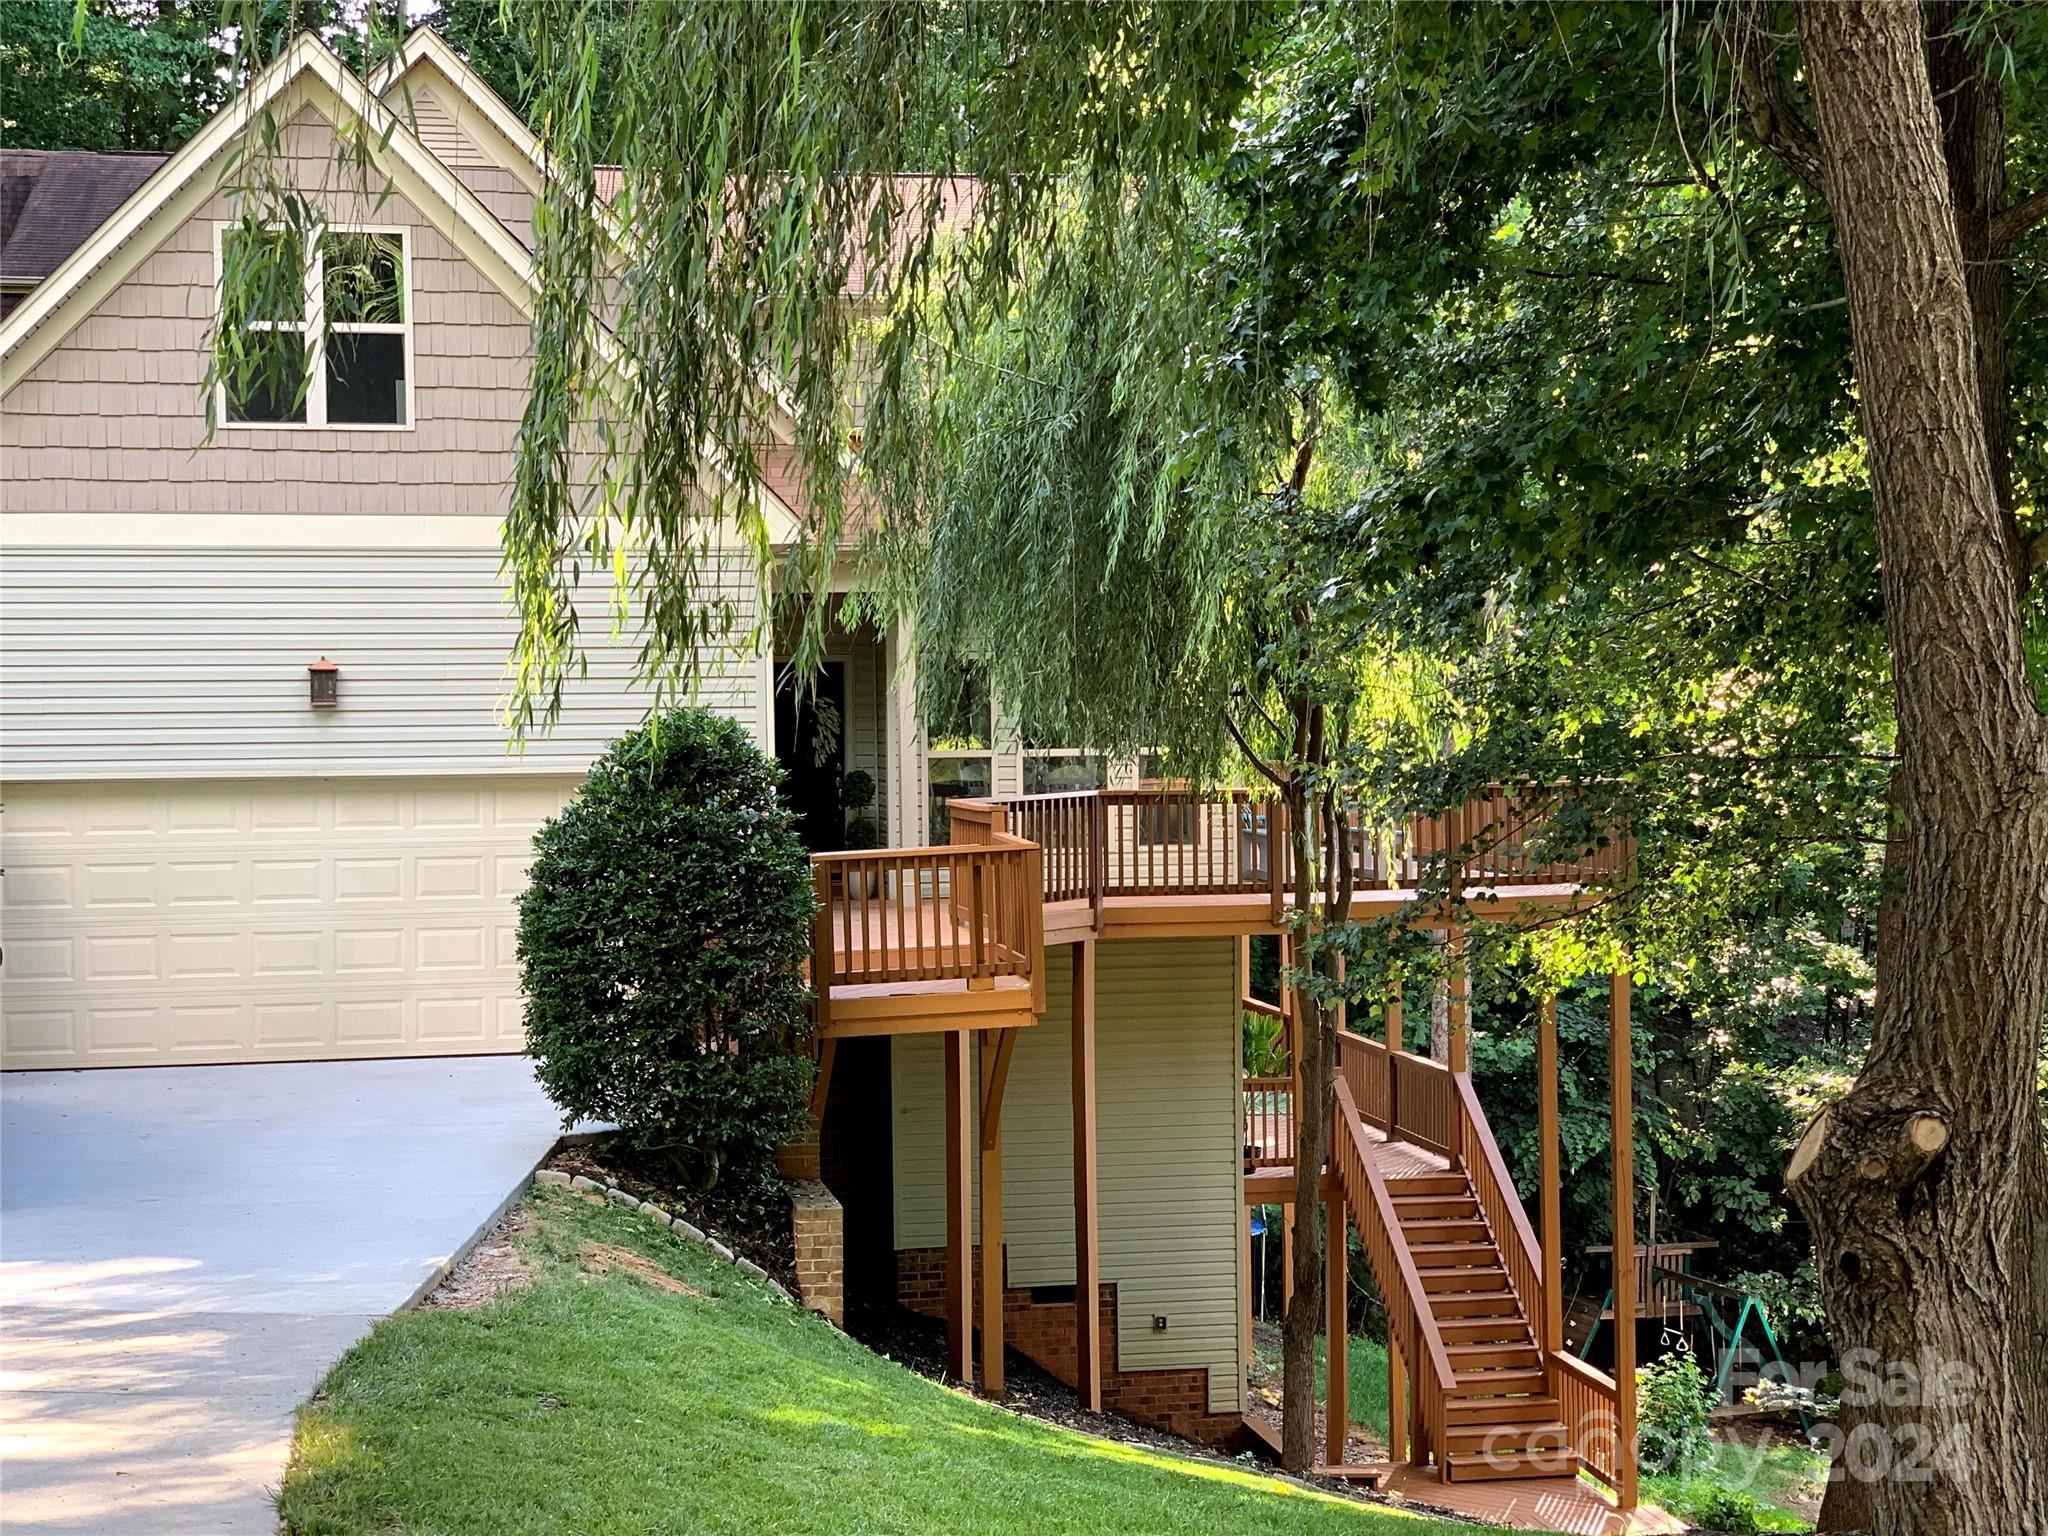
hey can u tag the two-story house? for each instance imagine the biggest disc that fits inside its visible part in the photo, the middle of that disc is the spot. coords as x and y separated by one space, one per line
260 805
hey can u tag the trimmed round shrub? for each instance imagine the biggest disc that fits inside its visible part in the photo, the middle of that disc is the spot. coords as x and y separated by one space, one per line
662 934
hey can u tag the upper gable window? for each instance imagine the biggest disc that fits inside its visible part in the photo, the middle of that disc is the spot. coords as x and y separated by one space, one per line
342 357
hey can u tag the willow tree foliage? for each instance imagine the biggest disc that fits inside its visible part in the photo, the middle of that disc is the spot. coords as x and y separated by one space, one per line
1592 283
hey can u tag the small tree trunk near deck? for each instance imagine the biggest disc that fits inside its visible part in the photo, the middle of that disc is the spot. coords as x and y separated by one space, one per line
1311 1149
1927 1185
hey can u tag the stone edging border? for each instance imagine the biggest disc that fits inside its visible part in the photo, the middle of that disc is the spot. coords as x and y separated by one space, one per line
563 1179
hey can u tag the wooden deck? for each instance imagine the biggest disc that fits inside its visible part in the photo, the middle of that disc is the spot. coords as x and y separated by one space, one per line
1273 1181
897 936
954 921
1576 1506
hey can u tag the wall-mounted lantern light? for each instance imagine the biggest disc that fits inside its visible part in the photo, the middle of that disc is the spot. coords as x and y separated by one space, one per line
323 681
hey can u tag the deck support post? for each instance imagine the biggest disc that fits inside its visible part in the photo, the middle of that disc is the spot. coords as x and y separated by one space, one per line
1397 1410
1621 1069
996 1045
959 1210
1552 1336
1460 987
1394 1046
1087 1250
1286 1254
1337 1404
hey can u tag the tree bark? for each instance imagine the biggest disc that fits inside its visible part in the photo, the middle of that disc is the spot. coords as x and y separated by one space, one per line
1315 1055
1927 1184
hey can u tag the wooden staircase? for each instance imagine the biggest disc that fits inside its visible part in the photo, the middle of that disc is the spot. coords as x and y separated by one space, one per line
1459 1271
1500 1419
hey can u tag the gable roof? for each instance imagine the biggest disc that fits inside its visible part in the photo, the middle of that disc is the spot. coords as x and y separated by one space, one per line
51 199
307 73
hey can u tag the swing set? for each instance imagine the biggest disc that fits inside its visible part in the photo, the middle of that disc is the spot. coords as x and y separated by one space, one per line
1715 1302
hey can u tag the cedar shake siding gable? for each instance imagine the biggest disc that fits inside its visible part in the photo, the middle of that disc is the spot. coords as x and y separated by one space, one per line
113 419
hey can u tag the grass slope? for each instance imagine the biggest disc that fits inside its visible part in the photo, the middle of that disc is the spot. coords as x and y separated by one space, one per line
598 1403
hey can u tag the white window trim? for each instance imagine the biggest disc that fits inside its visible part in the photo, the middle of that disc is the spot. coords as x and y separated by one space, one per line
311 326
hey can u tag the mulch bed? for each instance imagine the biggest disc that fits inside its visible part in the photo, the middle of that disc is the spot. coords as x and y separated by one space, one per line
1263 1402
756 1230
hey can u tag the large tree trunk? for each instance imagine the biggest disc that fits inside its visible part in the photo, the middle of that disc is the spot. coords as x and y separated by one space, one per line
1313 1052
1927 1185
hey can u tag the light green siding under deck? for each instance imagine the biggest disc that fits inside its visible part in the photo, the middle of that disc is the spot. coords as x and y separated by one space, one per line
1171 1171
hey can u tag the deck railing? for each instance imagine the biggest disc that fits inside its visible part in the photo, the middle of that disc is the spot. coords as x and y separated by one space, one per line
1268 1122
1585 1403
1479 1154
1422 1103
1362 1063
1176 841
1496 840
967 912
1411 1326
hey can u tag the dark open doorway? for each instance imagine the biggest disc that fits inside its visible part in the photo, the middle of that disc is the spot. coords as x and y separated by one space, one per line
810 744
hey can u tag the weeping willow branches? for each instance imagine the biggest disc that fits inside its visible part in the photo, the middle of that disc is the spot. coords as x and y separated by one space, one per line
774 285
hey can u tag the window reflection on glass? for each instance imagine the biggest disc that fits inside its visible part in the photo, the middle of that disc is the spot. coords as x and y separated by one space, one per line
1061 772
364 276
268 381
966 723
952 778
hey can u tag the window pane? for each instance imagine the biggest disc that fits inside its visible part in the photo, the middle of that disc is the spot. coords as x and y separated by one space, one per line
964 725
1057 775
366 377
952 777
269 382
263 278
365 279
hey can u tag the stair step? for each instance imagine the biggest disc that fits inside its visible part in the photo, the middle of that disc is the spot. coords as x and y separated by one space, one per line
1446 1229
1507 1327
1465 1280
1426 1206
1477 1467
1533 1409
1475 1304
1430 1184
1527 1435
1501 1383
1496 1356
1442 1255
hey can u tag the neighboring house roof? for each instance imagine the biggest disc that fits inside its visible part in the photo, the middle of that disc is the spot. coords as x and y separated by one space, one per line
52 199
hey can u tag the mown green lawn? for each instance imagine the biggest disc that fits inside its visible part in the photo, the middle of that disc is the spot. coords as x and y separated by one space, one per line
586 1403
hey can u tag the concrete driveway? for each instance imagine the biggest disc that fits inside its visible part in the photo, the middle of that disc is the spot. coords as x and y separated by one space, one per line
185 1250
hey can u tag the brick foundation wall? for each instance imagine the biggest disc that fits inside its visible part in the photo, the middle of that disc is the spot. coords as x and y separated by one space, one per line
1043 1332
819 1226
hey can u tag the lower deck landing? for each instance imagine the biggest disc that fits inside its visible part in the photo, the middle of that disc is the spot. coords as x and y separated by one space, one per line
1273 1183
1578 1507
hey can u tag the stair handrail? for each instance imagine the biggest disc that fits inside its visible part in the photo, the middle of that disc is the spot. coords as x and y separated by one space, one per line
1409 1316
1585 1395
1513 1235
1586 1406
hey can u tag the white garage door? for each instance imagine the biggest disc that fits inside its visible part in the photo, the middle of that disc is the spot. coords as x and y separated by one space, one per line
215 922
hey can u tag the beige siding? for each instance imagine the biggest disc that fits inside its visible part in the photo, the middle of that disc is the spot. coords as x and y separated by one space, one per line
424 112
113 419
1171 1148
497 187
191 663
